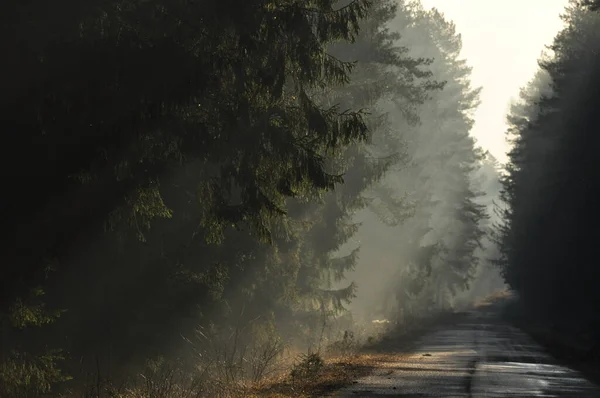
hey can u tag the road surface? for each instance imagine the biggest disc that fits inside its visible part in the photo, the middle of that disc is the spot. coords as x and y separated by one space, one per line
480 356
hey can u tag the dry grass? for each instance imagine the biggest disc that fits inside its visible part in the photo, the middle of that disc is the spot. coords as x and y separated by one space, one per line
346 362
497 296
342 371
338 372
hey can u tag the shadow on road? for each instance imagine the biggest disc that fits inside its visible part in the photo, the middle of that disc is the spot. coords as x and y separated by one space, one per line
471 354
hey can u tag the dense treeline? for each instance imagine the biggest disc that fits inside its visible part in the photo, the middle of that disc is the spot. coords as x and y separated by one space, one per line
549 209
180 178
423 232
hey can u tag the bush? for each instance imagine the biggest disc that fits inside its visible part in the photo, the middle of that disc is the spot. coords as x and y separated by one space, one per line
309 366
347 345
30 376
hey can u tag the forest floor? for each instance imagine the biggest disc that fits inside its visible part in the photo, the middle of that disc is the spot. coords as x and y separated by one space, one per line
341 371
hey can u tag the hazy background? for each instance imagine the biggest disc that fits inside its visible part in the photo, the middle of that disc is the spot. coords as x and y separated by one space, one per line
502 46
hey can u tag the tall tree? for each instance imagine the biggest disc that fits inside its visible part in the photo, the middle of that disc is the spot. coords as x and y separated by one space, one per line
436 245
181 128
545 239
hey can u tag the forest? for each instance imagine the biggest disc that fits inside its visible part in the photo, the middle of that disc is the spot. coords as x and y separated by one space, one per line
198 187
547 230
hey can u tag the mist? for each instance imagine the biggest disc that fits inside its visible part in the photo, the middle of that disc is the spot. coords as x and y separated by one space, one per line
220 197
425 238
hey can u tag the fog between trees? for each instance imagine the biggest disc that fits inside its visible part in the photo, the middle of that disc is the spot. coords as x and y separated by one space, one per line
205 183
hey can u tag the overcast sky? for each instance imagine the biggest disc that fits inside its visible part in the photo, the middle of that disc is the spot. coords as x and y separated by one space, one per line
502 41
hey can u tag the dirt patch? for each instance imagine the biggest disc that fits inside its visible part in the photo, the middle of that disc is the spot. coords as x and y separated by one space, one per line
337 373
494 298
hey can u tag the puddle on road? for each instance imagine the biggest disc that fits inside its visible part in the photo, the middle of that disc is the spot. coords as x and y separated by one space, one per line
527 368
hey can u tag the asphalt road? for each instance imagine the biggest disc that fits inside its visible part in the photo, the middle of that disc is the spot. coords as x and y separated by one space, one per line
479 356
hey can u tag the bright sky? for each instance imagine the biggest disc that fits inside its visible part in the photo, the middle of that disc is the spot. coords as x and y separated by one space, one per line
502 41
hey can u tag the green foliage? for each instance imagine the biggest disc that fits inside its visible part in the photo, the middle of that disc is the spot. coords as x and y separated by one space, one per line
32 311
23 375
226 148
140 208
